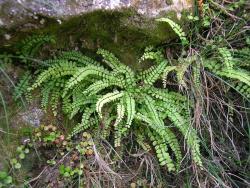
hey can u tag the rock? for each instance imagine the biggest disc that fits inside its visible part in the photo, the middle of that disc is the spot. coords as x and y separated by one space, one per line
32 117
124 27
14 12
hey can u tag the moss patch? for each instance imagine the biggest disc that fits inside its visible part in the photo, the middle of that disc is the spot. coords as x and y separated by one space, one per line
124 33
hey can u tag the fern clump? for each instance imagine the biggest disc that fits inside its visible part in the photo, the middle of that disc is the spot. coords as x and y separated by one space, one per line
113 95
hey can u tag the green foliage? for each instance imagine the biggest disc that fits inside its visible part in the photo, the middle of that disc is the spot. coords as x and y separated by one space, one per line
21 153
227 67
177 29
114 95
226 57
67 171
5 179
30 46
6 58
22 86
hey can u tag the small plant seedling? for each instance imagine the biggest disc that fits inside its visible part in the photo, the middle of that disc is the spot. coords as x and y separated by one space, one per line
67 171
5 179
51 162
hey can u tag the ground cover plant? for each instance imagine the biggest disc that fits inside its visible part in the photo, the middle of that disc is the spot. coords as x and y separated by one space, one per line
188 108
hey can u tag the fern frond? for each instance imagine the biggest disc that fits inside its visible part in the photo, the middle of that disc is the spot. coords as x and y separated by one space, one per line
45 92
55 96
151 77
161 151
109 97
101 85
151 55
116 65
82 73
109 59
167 70
130 106
30 46
86 122
238 74
120 114
242 57
227 57
56 71
107 126
177 29
166 96
77 105
22 87
78 58
188 132
140 139
150 105
118 129
242 88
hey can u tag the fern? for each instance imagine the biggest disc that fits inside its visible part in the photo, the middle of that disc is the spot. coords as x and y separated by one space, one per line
120 100
109 97
177 29
22 87
30 46
226 57
232 74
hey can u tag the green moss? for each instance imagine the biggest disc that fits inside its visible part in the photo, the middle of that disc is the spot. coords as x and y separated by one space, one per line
124 33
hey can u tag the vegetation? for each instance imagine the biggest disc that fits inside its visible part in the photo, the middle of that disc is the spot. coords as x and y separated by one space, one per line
189 109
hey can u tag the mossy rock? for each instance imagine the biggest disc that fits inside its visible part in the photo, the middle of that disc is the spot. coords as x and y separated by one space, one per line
123 32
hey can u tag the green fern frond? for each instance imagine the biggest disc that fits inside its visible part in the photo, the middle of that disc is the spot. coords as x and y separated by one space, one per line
82 73
55 96
64 68
167 70
140 139
130 106
151 55
242 57
151 77
22 87
86 122
45 92
161 151
109 97
118 129
226 57
238 74
109 59
116 65
177 29
120 114
187 131
150 105
30 46
78 58
242 88
77 105
101 85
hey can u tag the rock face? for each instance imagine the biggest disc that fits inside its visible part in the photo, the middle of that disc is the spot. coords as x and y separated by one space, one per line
13 11
124 27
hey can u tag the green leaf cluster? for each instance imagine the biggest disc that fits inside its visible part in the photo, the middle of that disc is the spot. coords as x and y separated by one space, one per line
232 65
115 99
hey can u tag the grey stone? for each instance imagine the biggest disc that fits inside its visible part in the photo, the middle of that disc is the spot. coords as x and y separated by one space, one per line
32 117
13 12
